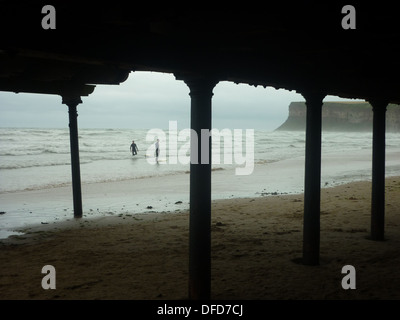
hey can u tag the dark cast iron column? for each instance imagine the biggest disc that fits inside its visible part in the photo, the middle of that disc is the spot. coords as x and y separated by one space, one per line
312 178
72 103
378 170
200 189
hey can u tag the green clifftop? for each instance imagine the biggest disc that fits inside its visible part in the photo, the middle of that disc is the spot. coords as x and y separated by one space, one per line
342 116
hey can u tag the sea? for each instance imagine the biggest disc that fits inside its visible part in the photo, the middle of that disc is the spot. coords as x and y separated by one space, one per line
35 171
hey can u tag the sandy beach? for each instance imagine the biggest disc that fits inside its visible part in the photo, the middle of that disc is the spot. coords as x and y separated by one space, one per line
256 245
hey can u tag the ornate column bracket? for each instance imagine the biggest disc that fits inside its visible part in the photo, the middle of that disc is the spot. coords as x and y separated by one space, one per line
379 103
200 86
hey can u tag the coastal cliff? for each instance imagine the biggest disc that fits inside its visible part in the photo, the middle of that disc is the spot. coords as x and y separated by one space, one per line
342 116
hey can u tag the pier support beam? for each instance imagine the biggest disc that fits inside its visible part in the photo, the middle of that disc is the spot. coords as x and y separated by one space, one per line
72 103
200 188
312 178
378 170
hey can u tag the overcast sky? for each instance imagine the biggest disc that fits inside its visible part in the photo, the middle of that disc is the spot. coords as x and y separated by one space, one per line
150 100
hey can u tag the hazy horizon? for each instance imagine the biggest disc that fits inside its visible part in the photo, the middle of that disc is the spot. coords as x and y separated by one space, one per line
150 100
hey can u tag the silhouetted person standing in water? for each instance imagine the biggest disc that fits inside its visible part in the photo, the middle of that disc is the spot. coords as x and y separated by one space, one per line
134 148
157 145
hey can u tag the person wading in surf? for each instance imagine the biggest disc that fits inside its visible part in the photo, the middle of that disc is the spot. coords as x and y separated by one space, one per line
134 148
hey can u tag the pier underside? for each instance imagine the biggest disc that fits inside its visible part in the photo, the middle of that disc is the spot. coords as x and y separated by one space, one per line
301 47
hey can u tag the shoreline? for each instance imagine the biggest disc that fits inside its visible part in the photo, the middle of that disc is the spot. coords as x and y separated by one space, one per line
255 245
171 192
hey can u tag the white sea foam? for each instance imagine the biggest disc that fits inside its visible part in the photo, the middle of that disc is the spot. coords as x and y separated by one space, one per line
38 158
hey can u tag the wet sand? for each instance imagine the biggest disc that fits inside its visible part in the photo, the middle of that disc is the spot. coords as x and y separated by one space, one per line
256 247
